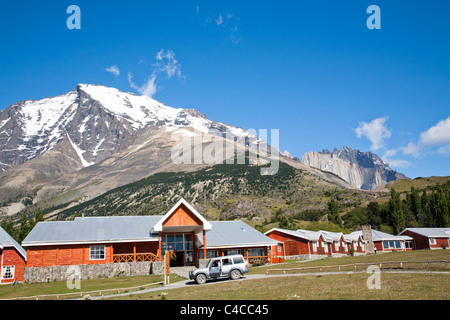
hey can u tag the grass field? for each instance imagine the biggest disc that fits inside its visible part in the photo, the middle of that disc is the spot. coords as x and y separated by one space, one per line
351 286
347 285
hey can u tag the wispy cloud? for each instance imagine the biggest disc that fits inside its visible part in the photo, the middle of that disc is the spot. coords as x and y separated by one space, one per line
395 163
147 89
166 64
114 70
228 21
435 139
376 131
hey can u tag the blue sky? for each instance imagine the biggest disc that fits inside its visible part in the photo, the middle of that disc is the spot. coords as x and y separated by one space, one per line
311 69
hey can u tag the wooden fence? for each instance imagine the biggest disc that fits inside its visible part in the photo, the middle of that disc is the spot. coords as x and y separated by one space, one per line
57 296
387 265
133 257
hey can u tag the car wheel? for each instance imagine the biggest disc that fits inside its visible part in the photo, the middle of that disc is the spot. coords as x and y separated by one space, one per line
200 278
235 274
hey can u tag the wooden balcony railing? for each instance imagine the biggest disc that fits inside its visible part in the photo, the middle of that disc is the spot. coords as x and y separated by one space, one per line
253 259
131 257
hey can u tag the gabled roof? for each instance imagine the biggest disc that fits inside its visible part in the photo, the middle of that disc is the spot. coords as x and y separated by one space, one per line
7 241
234 234
300 233
430 232
335 236
382 236
93 229
159 225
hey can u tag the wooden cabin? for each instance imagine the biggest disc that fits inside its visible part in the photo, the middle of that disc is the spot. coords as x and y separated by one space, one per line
384 242
429 238
13 259
182 230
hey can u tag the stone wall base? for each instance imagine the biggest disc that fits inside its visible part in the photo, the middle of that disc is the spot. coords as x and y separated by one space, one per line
92 271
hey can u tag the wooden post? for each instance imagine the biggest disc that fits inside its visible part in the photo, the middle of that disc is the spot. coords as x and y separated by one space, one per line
166 268
159 248
204 244
134 251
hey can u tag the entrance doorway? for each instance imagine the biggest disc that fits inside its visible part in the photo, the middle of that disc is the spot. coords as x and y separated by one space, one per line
181 244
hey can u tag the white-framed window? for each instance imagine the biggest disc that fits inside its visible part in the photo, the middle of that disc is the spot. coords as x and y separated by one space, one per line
314 244
432 240
325 248
97 252
336 246
8 272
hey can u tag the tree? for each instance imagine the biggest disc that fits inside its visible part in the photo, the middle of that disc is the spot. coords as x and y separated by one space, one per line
397 218
374 214
426 210
37 218
24 228
333 213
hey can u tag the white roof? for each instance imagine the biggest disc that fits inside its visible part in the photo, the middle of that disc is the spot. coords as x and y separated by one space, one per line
381 236
7 241
431 232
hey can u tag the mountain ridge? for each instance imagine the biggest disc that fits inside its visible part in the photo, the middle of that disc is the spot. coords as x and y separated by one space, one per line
364 170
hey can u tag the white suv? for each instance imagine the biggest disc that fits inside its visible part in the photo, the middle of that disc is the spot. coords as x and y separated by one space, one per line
232 267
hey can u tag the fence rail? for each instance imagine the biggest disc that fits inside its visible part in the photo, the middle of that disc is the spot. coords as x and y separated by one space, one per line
81 294
354 265
130 257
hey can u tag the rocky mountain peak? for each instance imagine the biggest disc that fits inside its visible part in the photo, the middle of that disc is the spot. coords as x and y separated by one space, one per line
364 170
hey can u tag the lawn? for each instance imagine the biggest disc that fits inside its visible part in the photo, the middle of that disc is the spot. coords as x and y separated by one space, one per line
351 286
348 285
60 287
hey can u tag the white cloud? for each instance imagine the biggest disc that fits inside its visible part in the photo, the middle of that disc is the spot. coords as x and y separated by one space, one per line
114 70
147 89
229 23
219 20
411 149
436 136
398 163
166 64
395 163
375 131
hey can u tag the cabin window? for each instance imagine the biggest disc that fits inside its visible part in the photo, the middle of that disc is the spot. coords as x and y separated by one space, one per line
234 251
256 252
8 272
398 245
97 253
209 254
314 243
336 245
432 241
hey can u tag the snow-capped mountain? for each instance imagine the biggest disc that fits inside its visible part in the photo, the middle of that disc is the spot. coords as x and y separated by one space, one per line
364 170
92 122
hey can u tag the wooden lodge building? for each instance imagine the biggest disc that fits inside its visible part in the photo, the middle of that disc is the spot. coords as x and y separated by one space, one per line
385 242
99 240
13 259
429 238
